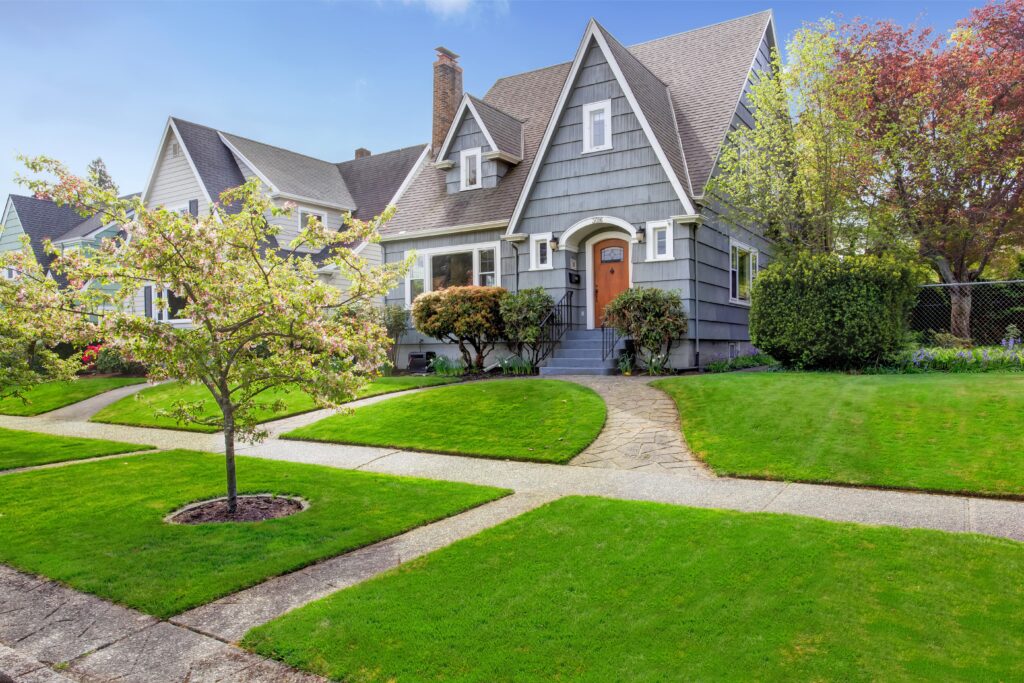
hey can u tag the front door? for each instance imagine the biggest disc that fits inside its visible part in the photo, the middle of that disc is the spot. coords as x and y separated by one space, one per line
611 274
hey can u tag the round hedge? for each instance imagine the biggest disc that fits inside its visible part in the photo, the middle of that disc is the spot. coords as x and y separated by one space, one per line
824 312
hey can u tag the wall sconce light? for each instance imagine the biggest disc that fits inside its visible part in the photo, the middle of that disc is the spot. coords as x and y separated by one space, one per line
641 234
553 243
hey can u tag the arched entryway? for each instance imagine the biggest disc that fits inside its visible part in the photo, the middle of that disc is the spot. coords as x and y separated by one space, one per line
605 246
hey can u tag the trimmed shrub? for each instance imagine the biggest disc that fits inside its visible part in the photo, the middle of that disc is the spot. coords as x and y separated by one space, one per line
467 316
522 313
821 311
653 318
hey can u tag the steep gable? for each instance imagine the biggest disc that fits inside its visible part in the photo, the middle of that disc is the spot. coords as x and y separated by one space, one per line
174 181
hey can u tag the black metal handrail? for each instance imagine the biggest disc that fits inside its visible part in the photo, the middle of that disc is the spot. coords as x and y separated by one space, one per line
554 326
609 340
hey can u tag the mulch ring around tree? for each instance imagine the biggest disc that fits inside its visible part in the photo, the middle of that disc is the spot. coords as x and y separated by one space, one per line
250 508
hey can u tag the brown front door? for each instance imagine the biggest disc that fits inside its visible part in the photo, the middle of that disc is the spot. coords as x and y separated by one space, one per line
611 274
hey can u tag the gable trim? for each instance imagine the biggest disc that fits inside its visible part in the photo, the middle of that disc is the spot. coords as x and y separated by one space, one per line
465 105
169 129
413 172
593 34
7 210
259 174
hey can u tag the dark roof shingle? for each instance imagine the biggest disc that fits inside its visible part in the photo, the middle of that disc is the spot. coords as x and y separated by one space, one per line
42 220
505 130
373 180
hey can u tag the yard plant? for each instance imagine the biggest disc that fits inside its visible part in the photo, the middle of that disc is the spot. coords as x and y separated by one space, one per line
588 589
99 527
467 316
518 419
958 433
653 318
522 314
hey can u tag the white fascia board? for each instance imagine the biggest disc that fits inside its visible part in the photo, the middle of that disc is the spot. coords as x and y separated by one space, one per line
259 174
466 104
413 172
188 158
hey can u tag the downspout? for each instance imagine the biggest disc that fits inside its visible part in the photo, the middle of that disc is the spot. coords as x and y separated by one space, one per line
696 300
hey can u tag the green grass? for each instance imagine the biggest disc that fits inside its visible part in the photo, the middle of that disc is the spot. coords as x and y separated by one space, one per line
140 410
957 433
48 396
28 449
588 589
99 526
525 419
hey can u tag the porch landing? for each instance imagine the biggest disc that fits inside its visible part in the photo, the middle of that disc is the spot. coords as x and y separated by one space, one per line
579 353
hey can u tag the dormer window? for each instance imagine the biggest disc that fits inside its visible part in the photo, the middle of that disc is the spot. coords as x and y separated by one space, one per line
305 216
469 168
597 126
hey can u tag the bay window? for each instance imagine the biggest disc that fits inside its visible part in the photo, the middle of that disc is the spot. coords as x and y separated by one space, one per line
742 270
437 269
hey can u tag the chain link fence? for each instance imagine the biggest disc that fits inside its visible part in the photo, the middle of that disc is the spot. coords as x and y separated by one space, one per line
979 311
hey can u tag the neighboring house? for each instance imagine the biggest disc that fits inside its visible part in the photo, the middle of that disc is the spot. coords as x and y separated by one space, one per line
195 164
587 178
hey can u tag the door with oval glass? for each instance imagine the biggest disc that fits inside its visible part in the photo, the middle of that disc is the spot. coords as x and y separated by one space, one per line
611 274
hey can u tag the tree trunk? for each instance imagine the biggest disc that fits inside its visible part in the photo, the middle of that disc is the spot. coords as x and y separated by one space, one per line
229 459
960 311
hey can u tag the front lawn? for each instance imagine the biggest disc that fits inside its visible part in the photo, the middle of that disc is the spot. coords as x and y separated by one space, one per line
955 432
140 410
48 396
588 589
99 526
523 419
28 449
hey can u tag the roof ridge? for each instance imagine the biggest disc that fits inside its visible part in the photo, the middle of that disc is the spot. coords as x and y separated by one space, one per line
700 28
380 154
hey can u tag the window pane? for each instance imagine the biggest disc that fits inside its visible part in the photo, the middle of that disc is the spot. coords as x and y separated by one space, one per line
415 288
743 275
306 216
597 126
542 253
470 169
612 254
661 241
487 273
451 270
175 305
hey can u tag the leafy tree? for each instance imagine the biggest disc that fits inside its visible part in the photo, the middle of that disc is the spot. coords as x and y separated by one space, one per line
467 316
261 318
99 175
36 314
945 119
522 313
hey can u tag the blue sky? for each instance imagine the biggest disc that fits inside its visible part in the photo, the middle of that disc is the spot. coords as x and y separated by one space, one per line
83 79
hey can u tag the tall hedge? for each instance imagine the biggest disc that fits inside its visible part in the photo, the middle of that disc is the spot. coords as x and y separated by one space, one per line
821 311
467 316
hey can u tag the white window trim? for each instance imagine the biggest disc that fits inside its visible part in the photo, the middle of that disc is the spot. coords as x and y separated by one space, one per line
753 269
463 185
316 212
7 273
426 255
652 243
157 311
535 263
588 108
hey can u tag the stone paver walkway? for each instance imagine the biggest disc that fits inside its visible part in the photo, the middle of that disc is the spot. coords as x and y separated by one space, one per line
641 432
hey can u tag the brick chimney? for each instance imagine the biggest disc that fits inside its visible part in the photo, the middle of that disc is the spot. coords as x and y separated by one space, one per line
447 94
362 152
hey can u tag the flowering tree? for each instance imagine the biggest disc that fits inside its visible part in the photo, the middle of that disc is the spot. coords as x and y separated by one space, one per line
945 120
35 315
260 316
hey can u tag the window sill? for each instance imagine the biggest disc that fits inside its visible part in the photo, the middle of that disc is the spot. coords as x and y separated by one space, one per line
470 187
534 269
739 302
656 259
597 150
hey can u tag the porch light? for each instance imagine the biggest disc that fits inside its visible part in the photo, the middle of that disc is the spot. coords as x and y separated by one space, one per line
553 243
641 234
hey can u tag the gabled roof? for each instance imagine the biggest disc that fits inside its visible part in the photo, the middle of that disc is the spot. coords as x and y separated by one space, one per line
42 220
89 226
503 131
212 161
375 181
292 174
686 86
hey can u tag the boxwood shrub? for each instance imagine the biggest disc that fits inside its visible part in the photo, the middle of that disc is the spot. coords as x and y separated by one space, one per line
467 316
653 318
825 312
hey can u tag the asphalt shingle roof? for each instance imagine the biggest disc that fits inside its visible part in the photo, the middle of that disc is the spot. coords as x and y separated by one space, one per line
688 86
505 130
374 180
214 161
43 220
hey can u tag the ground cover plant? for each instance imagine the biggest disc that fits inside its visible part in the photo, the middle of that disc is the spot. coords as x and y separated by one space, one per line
58 523
28 449
519 419
588 589
42 398
154 407
946 432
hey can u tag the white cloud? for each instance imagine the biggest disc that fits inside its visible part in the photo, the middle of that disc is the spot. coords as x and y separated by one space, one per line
448 9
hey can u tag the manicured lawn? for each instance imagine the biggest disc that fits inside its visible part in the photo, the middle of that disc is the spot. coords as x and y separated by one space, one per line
589 589
139 410
956 432
27 449
524 419
49 396
99 526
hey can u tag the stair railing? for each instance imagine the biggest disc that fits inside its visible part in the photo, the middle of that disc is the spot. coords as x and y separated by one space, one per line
609 340
554 326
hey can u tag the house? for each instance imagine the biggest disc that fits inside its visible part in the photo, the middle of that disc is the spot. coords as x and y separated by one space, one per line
587 178
194 164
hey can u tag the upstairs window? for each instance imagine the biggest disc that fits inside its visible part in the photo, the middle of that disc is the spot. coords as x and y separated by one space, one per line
155 307
742 269
597 126
8 273
305 216
469 168
659 241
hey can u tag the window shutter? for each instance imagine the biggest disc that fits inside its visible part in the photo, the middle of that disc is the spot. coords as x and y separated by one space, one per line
147 293
193 207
